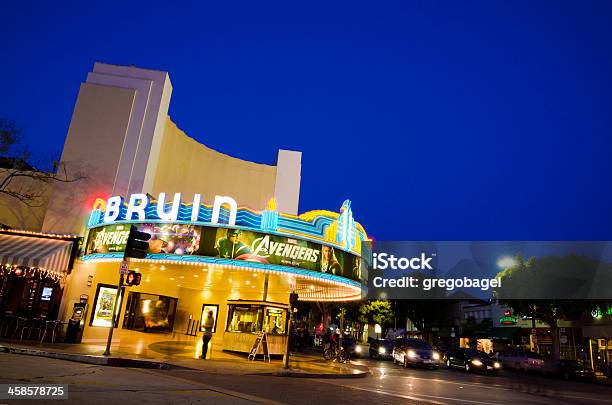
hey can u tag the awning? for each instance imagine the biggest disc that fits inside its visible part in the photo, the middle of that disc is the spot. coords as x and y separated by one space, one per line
597 331
43 253
503 333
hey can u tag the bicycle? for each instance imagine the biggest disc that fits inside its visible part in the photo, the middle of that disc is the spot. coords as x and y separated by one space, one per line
337 354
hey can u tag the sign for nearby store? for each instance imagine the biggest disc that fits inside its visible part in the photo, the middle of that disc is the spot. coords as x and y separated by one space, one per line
508 319
598 312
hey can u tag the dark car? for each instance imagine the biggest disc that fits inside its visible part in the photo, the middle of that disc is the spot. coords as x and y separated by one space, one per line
568 370
472 360
350 346
415 352
381 349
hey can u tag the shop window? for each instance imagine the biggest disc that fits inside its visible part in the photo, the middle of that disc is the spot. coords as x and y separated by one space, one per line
257 318
149 312
275 321
246 319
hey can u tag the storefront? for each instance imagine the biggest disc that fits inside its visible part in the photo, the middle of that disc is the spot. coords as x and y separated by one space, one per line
33 270
597 338
233 264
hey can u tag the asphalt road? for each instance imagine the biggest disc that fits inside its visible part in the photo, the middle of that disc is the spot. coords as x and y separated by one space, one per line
388 384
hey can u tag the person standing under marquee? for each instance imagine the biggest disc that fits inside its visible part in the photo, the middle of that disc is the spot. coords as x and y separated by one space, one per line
208 324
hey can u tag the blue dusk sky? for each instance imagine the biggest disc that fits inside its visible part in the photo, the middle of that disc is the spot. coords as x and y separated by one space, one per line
462 120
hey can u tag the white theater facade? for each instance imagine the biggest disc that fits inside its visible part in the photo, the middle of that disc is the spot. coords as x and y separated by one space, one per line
226 234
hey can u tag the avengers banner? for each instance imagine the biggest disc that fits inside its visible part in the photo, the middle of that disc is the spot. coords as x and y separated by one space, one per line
229 243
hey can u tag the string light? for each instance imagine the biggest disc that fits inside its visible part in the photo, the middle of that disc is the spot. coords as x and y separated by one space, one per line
31 272
44 234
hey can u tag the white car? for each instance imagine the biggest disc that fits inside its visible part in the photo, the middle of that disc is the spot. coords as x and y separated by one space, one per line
415 352
522 360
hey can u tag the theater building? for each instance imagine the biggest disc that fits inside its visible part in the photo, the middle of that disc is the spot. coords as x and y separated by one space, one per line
227 239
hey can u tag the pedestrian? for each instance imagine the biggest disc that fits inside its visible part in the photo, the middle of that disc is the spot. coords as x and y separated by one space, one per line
327 339
207 325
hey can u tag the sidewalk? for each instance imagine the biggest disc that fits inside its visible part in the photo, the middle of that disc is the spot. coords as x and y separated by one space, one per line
309 365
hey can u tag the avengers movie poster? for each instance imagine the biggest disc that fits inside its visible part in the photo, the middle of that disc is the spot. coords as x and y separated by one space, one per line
178 239
228 243
272 249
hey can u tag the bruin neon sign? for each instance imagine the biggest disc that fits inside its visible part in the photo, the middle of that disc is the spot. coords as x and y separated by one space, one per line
138 203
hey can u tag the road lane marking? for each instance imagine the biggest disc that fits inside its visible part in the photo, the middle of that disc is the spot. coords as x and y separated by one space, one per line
547 392
476 384
421 397
589 398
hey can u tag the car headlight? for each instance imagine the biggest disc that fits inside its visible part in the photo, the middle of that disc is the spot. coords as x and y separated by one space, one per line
382 350
358 349
477 362
436 356
411 354
496 365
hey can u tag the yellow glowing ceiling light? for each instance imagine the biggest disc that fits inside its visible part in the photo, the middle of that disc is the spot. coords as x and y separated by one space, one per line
346 289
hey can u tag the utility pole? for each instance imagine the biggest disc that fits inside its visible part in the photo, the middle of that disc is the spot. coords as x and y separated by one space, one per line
293 297
124 265
137 247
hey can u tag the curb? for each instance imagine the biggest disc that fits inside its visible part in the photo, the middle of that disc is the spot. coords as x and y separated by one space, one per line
137 363
89 359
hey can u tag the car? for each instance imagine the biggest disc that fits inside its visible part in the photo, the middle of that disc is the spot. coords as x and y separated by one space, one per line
351 346
472 360
381 349
522 360
568 370
415 352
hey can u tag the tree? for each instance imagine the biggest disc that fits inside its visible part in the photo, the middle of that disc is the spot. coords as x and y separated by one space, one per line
376 311
426 309
18 179
540 288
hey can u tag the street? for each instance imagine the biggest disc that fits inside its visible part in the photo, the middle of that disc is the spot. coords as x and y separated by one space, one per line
388 384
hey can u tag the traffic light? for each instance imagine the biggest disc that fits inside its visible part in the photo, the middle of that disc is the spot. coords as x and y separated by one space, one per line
293 299
133 278
137 244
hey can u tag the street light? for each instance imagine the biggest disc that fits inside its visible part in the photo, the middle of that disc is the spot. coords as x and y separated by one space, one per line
505 262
